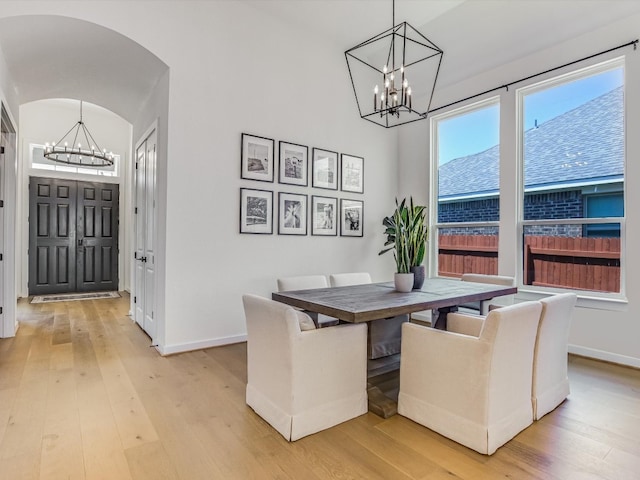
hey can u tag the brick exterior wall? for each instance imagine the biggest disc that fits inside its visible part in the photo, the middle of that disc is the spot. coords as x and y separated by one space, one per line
560 205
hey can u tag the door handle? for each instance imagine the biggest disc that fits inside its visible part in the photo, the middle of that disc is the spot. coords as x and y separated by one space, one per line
81 242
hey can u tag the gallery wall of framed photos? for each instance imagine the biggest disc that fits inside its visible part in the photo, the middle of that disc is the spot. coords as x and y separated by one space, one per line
314 194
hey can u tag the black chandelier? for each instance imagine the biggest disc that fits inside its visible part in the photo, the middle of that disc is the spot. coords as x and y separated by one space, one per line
87 154
400 67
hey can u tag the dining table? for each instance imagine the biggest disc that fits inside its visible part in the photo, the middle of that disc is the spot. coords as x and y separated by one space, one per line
375 301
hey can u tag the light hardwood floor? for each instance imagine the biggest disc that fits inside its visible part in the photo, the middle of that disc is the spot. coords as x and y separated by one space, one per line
82 395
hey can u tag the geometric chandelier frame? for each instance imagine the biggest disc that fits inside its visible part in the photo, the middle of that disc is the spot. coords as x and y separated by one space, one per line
69 150
394 75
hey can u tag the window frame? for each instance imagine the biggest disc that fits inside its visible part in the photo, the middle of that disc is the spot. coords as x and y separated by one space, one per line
531 291
434 225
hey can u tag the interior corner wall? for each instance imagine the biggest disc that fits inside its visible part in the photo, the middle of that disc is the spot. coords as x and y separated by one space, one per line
279 82
8 281
608 334
156 114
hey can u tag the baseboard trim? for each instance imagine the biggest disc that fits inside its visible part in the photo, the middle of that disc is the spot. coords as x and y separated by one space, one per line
605 356
189 347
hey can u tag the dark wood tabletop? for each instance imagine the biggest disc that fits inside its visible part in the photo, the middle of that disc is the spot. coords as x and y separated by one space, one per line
362 303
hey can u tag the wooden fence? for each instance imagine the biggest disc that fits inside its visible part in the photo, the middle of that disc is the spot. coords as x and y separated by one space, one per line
571 262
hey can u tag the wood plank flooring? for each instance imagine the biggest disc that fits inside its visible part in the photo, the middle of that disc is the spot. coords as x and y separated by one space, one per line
82 395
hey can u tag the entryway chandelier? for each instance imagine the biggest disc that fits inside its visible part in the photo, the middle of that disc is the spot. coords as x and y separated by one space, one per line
399 67
77 147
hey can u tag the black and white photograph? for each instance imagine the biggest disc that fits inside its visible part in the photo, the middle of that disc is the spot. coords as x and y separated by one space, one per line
351 216
294 164
292 214
256 211
257 158
352 174
323 216
325 169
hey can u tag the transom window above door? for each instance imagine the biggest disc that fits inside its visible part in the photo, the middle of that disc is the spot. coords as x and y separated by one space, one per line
39 162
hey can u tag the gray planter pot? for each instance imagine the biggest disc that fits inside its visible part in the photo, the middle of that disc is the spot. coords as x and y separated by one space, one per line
418 276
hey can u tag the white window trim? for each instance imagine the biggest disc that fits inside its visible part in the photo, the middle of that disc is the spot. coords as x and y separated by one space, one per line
512 97
435 226
587 299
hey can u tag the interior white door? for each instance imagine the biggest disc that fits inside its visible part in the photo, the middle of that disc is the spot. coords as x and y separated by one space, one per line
139 223
149 245
144 256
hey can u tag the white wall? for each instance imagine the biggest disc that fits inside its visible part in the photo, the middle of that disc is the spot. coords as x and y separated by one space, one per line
604 330
234 70
46 121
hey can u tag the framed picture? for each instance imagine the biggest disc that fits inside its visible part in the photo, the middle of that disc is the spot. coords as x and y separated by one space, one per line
256 158
292 214
256 211
352 174
325 169
293 164
351 217
323 216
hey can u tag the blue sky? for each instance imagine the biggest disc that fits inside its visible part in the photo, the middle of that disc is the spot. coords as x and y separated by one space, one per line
479 130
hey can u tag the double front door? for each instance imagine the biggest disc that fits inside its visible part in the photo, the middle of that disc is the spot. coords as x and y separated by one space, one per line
73 236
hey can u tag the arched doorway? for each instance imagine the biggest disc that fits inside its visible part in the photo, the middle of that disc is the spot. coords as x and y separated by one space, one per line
50 56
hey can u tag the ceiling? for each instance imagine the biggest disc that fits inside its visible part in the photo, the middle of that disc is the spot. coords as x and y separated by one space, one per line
61 57
476 35
109 69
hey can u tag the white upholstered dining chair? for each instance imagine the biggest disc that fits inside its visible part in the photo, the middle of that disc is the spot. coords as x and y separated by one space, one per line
472 388
308 282
550 380
503 280
302 381
385 335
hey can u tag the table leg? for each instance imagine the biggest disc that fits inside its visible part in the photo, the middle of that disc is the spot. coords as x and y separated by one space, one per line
439 320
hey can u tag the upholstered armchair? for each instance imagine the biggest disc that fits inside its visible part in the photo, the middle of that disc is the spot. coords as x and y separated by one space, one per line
473 389
308 282
302 381
384 335
550 380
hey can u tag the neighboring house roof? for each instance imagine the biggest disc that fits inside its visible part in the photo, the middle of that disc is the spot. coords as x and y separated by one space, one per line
583 145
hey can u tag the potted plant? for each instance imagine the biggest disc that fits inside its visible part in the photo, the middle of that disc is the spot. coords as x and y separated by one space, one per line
406 232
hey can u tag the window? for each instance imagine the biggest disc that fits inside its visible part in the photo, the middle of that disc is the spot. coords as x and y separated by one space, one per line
572 137
39 162
467 150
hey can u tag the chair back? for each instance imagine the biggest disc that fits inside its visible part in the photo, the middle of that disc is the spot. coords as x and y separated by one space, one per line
302 282
484 307
271 326
550 380
511 334
492 279
347 279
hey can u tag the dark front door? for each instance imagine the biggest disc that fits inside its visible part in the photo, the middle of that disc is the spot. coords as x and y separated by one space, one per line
73 236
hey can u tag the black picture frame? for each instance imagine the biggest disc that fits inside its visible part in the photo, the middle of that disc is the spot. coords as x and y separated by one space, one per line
351 218
292 213
351 173
293 167
324 171
324 216
256 211
256 158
